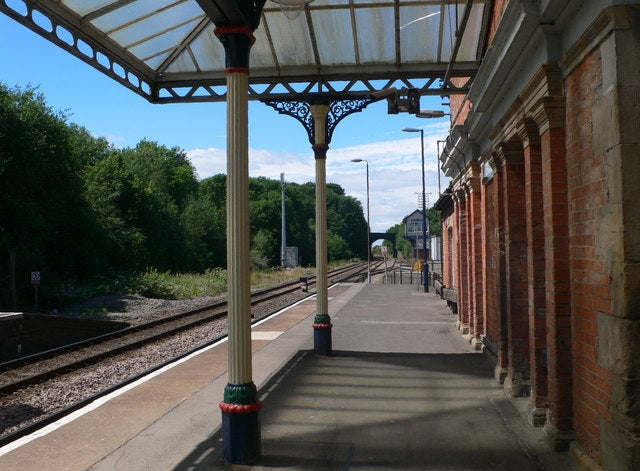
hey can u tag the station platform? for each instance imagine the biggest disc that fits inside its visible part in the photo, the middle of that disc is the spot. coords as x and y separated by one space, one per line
402 391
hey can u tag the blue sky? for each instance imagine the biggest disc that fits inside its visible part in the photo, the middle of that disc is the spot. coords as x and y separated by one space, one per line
278 143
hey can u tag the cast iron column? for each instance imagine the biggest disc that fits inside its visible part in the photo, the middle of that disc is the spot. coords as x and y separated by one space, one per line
322 322
240 407
319 115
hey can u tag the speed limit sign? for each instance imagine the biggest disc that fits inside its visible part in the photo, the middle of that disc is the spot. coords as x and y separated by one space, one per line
35 277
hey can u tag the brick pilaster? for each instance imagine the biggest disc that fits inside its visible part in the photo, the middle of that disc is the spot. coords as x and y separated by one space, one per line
549 117
475 231
529 133
462 261
496 332
512 159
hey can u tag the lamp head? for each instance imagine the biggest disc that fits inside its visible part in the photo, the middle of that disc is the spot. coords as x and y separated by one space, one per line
411 130
430 114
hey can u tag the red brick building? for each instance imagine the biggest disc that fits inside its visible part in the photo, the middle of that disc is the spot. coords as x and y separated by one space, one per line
541 224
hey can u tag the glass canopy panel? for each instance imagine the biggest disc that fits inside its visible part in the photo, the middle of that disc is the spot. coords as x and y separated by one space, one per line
131 12
325 3
208 50
261 56
165 42
471 38
374 2
84 7
419 33
376 32
291 42
335 36
448 31
155 61
127 32
182 63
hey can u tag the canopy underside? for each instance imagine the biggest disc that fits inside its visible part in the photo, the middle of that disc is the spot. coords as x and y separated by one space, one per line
167 51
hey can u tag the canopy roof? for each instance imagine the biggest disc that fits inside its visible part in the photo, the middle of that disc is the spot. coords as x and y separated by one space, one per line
166 50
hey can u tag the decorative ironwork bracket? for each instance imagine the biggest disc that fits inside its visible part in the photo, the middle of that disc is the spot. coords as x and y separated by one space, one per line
338 110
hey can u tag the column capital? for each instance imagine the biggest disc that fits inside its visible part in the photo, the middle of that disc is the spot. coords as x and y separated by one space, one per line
471 178
473 185
459 196
549 113
237 41
528 132
320 151
319 112
508 152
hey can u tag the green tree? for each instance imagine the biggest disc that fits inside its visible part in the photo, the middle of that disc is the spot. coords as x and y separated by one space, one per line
435 222
44 219
403 245
117 202
337 247
346 219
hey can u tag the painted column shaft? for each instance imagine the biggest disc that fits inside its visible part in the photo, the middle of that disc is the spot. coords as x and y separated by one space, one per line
319 117
238 263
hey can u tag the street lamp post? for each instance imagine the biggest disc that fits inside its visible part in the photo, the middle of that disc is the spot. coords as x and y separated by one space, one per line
368 224
425 265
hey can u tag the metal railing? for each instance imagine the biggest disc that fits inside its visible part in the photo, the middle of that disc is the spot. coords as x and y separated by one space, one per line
405 274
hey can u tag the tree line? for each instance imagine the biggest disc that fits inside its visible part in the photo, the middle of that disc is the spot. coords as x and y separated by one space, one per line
76 209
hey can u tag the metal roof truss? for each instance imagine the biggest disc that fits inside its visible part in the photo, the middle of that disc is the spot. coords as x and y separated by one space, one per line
165 50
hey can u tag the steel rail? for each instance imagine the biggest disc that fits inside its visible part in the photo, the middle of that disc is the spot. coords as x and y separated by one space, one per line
20 373
53 417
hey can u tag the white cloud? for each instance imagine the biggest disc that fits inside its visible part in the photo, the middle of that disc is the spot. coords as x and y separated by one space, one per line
116 141
394 172
208 162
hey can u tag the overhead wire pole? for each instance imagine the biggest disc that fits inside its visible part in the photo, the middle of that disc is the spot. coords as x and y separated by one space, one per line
368 223
284 225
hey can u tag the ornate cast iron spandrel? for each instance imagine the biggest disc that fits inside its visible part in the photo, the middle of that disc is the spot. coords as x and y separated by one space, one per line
300 110
340 109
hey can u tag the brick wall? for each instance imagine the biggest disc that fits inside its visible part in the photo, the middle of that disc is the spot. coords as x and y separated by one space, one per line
516 270
590 280
491 271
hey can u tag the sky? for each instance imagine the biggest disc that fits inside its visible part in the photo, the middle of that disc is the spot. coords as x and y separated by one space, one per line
277 143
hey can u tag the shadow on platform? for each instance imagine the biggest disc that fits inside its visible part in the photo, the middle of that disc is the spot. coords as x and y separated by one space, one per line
376 411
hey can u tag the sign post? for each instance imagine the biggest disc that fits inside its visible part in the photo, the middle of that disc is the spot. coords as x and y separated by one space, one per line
383 249
35 281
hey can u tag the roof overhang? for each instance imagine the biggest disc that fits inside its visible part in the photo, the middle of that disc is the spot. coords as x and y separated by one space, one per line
167 51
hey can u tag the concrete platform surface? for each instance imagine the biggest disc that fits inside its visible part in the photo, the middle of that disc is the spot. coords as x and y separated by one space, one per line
402 391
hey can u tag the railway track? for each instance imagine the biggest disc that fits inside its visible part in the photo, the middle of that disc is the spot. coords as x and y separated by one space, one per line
54 372
25 371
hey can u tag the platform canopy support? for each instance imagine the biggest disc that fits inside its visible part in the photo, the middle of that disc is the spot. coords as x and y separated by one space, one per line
240 406
319 115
